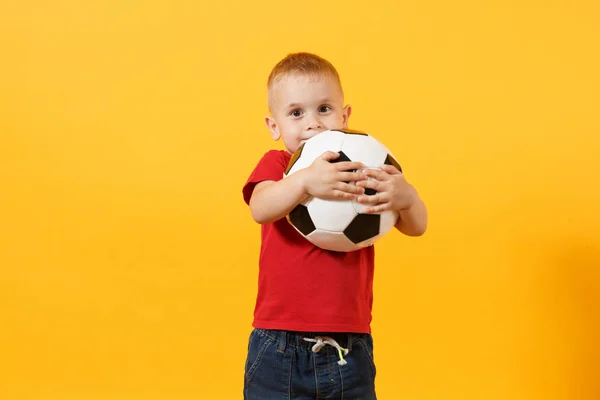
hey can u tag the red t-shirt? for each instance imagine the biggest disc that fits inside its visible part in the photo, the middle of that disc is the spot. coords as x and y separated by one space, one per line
300 286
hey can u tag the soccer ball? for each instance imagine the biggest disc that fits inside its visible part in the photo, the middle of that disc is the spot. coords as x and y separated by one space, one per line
341 225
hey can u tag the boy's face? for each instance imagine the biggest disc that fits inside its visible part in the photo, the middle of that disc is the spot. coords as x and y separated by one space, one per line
304 106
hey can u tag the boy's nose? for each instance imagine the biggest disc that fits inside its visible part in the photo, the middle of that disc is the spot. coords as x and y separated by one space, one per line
315 124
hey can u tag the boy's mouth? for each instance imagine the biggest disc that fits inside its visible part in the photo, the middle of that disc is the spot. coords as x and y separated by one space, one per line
313 135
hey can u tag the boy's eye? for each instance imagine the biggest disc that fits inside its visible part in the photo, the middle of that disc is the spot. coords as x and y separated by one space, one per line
296 113
324 109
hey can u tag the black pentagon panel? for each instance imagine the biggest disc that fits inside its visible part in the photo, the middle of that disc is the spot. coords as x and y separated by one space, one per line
353 132
294 158
370 192
363 227
389 160
300 218
342 157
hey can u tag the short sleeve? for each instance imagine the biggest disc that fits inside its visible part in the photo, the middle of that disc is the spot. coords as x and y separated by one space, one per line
271 167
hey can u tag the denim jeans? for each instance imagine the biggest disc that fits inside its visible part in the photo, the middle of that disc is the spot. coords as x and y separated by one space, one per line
281 365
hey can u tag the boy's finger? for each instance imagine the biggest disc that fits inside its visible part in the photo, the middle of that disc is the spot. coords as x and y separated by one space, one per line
390 169
364 199
346 187
370 198
375 173
347 176
340 194
377 209
349 165
370 184
329 155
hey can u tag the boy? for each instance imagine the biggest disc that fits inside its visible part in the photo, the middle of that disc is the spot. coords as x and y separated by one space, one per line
312 336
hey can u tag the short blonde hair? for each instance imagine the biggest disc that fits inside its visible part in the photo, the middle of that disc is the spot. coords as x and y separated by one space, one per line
302 63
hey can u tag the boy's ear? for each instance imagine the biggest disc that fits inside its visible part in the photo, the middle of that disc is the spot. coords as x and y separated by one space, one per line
272 125
346 115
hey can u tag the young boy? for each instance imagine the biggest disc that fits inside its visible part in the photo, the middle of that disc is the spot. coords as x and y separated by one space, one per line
312 336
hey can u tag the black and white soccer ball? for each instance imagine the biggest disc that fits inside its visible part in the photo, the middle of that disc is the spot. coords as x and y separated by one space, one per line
341 225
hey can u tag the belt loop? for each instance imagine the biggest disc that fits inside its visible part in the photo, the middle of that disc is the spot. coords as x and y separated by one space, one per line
282 339
351 337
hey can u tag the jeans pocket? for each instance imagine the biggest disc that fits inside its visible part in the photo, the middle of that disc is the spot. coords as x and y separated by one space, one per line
367 345
257 346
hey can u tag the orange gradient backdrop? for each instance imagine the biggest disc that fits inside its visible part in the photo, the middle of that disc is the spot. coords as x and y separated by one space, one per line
128 260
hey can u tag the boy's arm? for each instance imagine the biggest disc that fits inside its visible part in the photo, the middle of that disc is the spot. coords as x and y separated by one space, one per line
413 220
272 200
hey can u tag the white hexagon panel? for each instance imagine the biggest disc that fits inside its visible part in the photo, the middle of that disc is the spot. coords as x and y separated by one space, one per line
331 215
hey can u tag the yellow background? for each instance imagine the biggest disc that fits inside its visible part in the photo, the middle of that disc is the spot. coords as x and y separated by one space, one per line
127 129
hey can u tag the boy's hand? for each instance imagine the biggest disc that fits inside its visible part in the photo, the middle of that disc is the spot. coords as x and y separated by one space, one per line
330 180
393 192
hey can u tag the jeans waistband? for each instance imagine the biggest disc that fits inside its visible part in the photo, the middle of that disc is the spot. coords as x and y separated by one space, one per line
296 339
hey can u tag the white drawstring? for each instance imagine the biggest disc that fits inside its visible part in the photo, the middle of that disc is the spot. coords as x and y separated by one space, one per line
321 341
